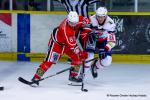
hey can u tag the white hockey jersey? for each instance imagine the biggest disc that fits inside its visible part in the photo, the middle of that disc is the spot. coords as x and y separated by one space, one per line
108 25
106 30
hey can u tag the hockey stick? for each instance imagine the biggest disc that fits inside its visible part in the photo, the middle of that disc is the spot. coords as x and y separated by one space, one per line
83 75
64 70
30 83
83 70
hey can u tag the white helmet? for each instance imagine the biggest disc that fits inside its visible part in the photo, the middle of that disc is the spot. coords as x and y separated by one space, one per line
73 18
101 11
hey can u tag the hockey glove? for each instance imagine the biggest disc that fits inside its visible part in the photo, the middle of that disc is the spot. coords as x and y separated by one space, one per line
94 34
83 55
109 46
76 62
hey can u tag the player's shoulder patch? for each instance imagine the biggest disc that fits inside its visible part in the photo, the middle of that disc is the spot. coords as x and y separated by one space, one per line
110 22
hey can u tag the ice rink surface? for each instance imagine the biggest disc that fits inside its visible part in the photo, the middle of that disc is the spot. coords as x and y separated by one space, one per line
116 82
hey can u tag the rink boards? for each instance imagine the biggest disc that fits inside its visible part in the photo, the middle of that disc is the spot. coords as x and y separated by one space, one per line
117 58
29 33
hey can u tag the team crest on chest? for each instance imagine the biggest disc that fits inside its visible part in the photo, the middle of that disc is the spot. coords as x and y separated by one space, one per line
71 39
100 27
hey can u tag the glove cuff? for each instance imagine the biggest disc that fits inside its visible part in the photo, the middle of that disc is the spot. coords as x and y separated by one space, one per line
107 47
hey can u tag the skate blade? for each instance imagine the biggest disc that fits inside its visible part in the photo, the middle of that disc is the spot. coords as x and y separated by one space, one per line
75 84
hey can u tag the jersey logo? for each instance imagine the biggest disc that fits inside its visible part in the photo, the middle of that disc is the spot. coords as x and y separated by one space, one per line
55 57
110 22
111 38
71 39
100 27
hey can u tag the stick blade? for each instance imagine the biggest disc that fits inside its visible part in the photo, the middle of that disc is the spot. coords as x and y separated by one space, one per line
22 80
74 84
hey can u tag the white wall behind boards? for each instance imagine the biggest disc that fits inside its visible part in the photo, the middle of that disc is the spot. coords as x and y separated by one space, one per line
41 27
8 32
14 33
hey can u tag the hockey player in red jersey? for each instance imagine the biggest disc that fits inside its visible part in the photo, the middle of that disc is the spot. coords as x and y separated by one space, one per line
63 40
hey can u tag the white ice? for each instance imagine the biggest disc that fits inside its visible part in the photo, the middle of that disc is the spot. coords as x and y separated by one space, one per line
116 82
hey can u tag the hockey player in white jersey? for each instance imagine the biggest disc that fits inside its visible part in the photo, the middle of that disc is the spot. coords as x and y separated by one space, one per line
100 41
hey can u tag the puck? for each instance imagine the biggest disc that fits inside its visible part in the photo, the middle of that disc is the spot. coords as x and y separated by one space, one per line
1 88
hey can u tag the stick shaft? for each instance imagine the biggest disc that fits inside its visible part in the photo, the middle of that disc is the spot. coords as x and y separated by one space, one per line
64 70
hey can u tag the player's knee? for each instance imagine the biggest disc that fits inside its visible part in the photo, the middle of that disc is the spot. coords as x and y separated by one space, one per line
106 61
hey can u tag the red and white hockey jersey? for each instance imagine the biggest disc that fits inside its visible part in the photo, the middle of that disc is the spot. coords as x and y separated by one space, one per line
66 35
